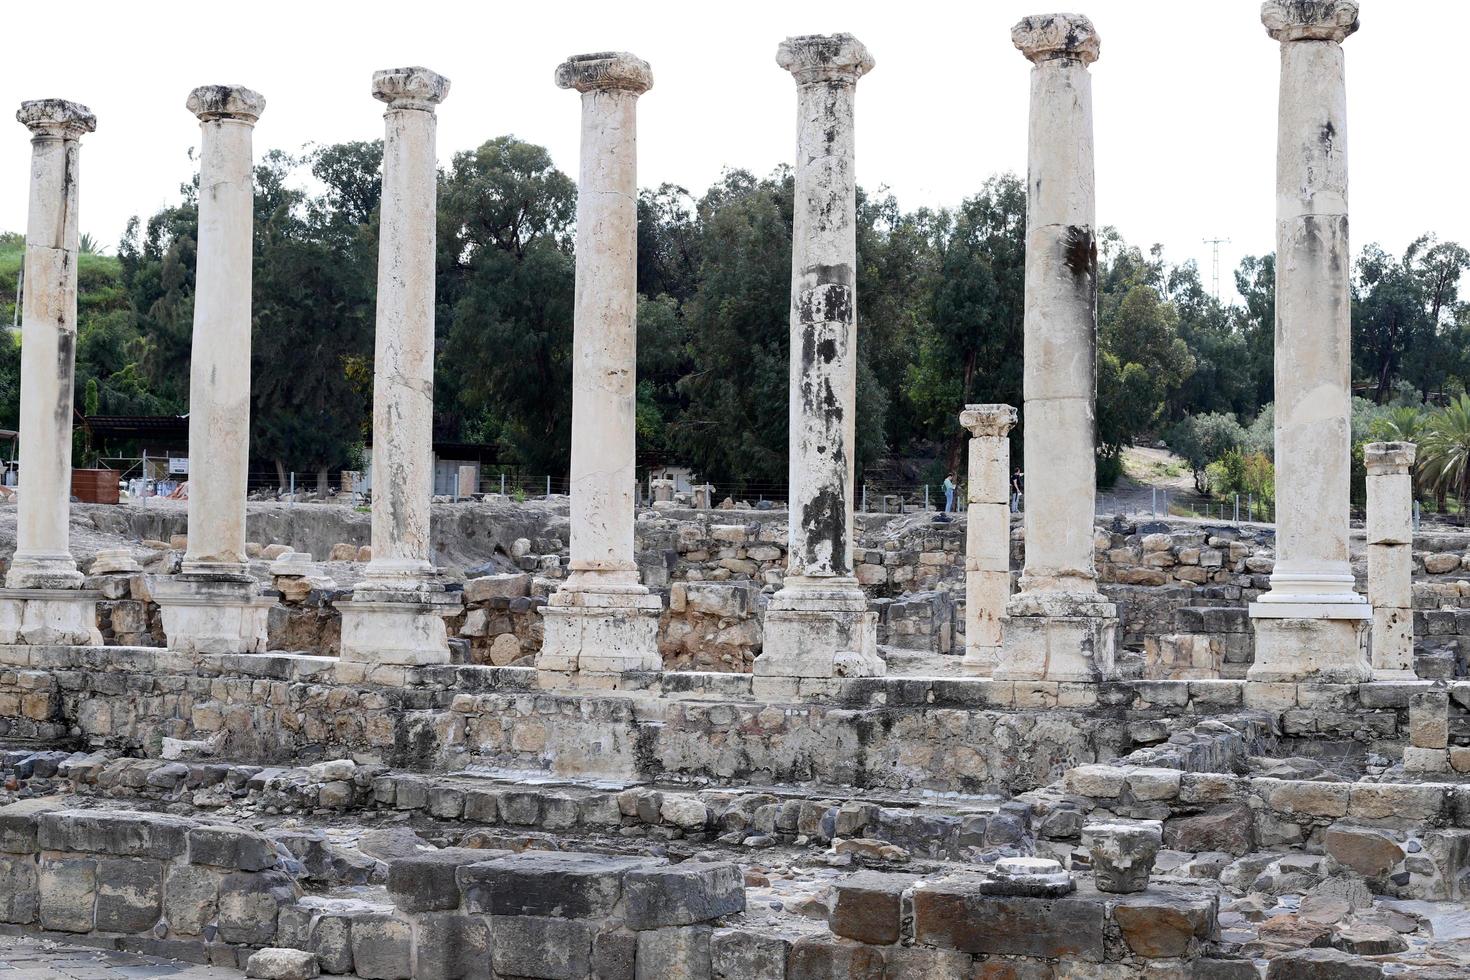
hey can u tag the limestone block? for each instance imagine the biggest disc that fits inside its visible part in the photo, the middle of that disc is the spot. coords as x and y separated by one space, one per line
191 898
1418 759
1097 781
382 947
19 824
545 883
248 903
282 964
1330 651
540 946
235 848
129 894
486 587
681 895
1371 853
124 833
738 954
1429 722
67 894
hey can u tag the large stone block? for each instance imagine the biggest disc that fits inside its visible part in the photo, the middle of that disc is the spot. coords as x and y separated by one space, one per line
1321 964
190 898
828 958
1228 828
674 953
330 938
546 883
923 963
425 882
18 889
737 954
450 946
382 947
129 894
235 848
19 823
540 946
281 964
248 903
67 889
681 895
123 833
1165 923
1371 853
953 913
868 907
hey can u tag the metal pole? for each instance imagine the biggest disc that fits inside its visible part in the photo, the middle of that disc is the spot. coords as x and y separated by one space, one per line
548 485
865 498
502 484
926 496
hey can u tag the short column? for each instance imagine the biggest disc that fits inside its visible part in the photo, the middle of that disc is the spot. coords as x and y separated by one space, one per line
396 613
1391 557
987 533
818 626
213 606
1058 627
43 601
1311 624
602 623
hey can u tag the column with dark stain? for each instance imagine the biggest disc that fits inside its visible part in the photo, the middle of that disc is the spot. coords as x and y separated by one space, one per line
48 347
1312 623
819 613
1058 626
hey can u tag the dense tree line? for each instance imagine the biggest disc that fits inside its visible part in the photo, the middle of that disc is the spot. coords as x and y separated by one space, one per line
940 305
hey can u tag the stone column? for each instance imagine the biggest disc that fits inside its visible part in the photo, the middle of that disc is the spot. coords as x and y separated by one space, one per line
43 601
1391 556
212 607
1311 624
603 622
48 348
818 626
396 614
987 533
1058 626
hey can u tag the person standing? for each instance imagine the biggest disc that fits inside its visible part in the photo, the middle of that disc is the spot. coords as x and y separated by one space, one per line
949 494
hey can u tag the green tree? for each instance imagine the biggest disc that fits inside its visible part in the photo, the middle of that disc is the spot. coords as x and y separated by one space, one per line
1444 449
1204 439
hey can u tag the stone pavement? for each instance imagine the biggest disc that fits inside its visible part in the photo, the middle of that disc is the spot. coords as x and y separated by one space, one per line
24 958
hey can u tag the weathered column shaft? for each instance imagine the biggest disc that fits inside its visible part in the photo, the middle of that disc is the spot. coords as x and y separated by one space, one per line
823 356
219 377
605 341
818 626
1311 624
987 532
1390 536
48 347
603 623
403 367
1060 364
1313 323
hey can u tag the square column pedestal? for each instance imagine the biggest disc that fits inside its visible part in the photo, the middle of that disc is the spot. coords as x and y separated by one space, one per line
1325 642
392 627
813 639
1058 636
591 638
213 613
49 617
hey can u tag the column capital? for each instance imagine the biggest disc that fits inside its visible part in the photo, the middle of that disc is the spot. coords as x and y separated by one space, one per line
988 420
410 88
1310 20
210 102
1387 458
56 118
824 58
1056 37
617 70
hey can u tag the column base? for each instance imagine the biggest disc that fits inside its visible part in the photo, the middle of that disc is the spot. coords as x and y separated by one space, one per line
43 572
219 613
49 617
590 639
825 632
1062 636
980 661
1304 641
395 627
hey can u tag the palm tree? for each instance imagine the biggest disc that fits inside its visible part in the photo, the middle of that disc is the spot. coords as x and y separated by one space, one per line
1402 423
88 245
1444 449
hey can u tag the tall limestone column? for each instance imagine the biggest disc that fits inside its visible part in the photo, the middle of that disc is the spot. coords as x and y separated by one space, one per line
602 621
1058 626
43 601
212 607
987 533
818 626
396 614
1311 624
1391 556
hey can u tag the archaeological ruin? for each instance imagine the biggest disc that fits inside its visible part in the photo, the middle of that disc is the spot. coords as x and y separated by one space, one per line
593 738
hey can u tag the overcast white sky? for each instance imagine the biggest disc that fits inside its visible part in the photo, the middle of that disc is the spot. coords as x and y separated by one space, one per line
1184 93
